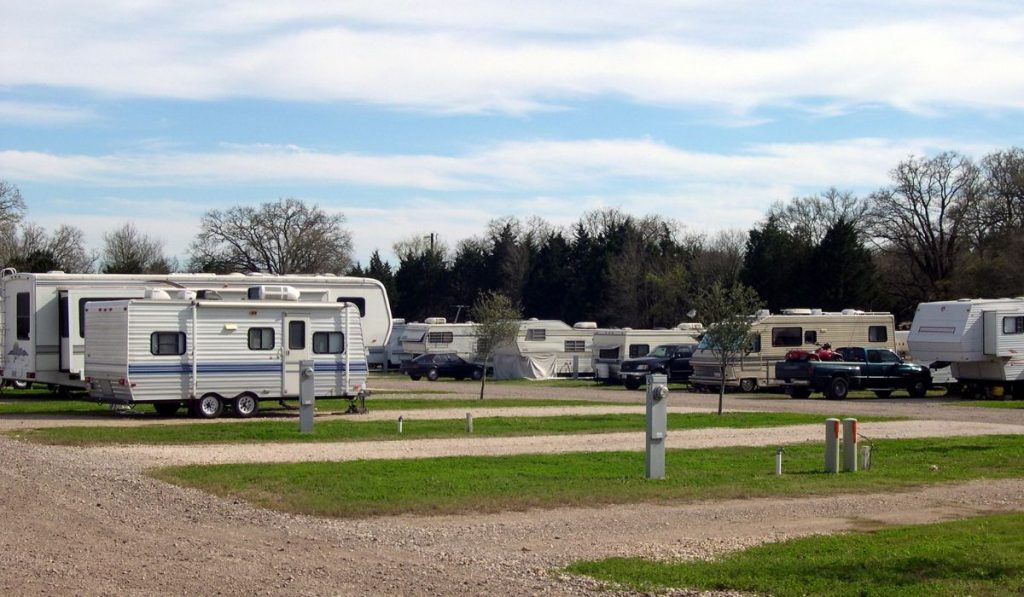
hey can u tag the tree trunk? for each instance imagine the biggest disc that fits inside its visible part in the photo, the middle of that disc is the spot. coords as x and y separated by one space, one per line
483 379
721 389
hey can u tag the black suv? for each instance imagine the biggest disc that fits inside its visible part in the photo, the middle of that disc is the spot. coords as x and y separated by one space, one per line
671 359
446 364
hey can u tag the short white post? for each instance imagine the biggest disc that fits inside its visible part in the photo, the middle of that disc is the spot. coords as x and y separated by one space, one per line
399 423
850 445
469 422
778 460
865 457
831 445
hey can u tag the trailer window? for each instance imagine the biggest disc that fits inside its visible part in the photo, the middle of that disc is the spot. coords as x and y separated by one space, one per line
296 335
575 346
261 338
358 301
877 333
167 343
637 350
24 315
1013 325
811 337
788 336
609 353
440 338
328 342
540 334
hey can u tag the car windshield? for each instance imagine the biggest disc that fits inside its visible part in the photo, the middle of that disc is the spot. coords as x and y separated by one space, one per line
661 351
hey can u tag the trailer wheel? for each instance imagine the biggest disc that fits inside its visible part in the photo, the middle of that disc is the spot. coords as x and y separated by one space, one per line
838 388
432 375
245 405
166 409
748 385
918 389
210 406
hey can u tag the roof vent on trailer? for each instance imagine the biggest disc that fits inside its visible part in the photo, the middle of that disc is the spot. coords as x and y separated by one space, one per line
762 313
797 311
585 325
273 293
435 320
157 294
398 320
852 312
186 294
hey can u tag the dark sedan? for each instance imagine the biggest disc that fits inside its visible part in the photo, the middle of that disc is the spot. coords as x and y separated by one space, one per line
446 364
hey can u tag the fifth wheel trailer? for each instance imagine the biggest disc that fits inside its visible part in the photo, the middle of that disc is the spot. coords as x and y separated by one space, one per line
44 314
215 354
981 340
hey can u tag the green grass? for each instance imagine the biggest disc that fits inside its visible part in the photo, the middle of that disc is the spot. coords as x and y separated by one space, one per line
978 556
340 430
493 484
992 403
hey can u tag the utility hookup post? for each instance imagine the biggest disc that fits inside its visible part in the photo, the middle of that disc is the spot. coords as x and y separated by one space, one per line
307 397
657 425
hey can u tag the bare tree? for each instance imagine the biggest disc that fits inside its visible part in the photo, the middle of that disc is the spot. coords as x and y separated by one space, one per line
927 215
497 323
809 218
282 237
129 251
32 249
726 313
12 206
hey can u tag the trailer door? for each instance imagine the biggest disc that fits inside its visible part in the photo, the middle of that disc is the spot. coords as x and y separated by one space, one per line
296 348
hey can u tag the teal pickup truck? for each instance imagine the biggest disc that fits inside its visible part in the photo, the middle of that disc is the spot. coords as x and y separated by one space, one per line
878 369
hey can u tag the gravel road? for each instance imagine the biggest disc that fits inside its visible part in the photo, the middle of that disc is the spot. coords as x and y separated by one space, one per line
88 522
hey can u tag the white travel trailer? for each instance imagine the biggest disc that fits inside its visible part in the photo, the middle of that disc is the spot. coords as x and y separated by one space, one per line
611 347
982 341
546 348
45 313
391 355
436 335
941 376
792 329
212 354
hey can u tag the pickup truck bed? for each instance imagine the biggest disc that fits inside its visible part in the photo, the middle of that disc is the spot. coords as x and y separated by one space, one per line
877 369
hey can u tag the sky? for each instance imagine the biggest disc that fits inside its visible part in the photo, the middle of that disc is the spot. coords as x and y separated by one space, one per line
413 118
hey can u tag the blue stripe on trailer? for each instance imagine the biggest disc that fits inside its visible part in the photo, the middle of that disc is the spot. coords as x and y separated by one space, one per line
260 367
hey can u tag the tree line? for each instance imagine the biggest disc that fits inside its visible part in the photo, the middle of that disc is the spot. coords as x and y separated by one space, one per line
943 227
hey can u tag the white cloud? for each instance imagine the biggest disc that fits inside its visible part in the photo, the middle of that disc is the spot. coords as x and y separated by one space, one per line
28 113
468 56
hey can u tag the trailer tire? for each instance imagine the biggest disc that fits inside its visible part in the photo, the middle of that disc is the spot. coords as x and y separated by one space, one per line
166 409
432 375
245 405
748 385
918 389
838 388
210 406
476 375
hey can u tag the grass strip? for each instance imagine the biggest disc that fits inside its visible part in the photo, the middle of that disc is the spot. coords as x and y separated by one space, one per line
977 556
494 484
341 430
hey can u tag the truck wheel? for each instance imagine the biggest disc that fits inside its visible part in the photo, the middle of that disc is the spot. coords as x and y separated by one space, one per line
632 384
432 375
883 393
166 409
800 393
245 405
918 390
838 388
210 406
748 385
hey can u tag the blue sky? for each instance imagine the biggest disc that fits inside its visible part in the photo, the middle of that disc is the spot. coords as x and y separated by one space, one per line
419 117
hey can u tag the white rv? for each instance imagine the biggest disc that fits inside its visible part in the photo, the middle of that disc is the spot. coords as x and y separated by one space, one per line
436 335
792 329
212 354
941 376
44 314
611 347
391 355
982 341
546 348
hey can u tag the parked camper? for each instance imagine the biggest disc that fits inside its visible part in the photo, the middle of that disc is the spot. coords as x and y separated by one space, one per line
391 355
982 341
211 354
436 336
44 313
611 347
792 329
941 376
545 349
